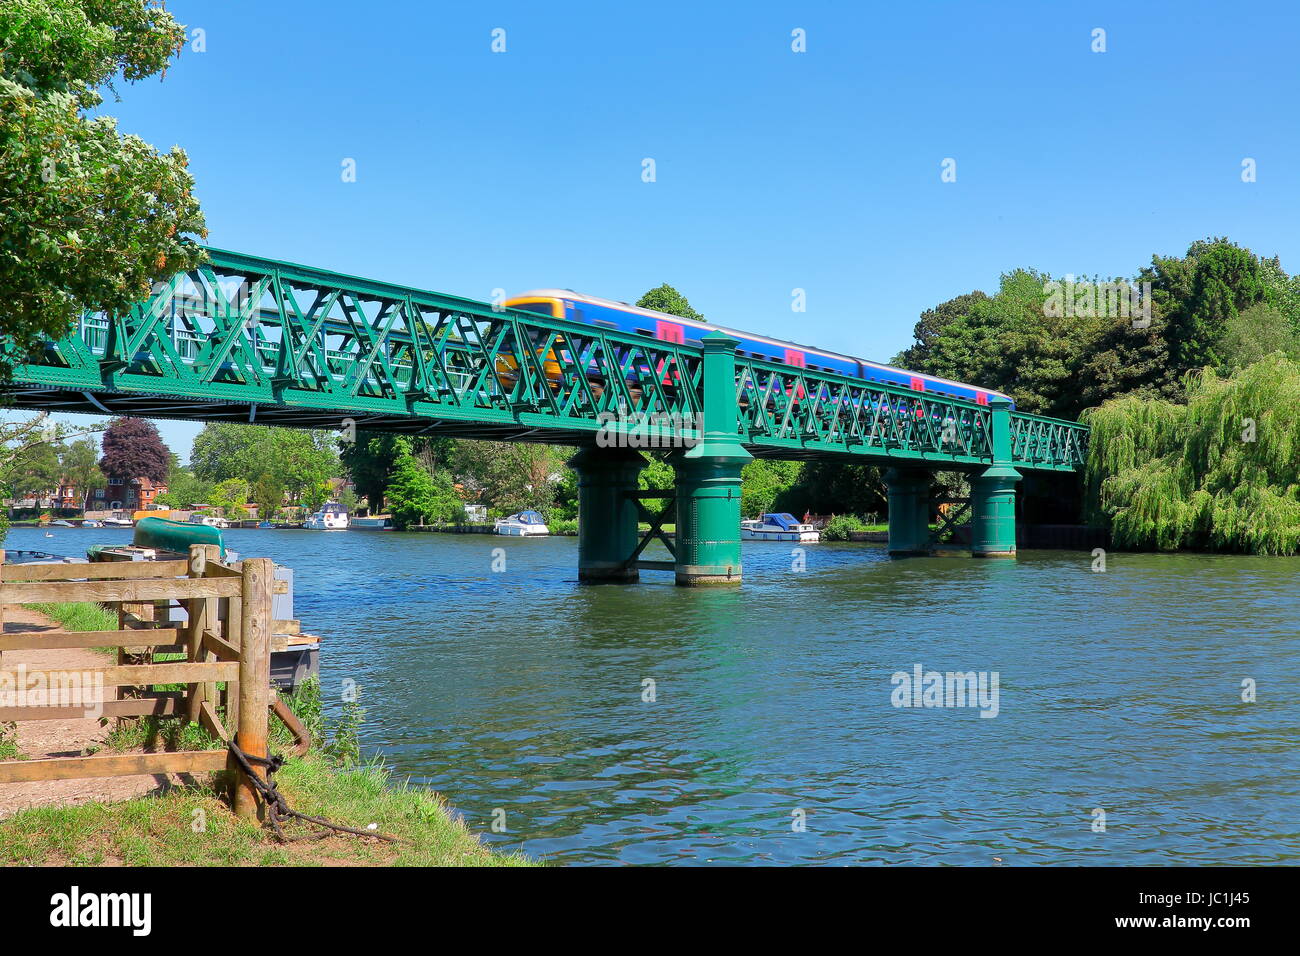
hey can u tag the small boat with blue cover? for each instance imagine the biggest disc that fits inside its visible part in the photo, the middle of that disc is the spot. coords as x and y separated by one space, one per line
778 527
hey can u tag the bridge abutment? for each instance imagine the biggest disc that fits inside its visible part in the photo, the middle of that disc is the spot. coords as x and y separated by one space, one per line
607 513
909 511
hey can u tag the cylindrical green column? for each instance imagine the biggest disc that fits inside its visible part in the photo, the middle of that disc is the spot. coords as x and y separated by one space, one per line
993 513
708 478
909 511
993 493
607 517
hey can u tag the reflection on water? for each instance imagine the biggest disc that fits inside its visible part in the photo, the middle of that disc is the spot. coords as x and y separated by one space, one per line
523 691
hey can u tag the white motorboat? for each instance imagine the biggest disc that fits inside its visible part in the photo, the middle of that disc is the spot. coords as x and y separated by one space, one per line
211 521
778 527
331 517
522 524
117 522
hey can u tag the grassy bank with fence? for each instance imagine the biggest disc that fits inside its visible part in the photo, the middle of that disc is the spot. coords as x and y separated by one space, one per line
192 823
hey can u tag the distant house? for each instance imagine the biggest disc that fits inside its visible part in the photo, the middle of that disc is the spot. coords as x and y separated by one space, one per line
131 494
64 495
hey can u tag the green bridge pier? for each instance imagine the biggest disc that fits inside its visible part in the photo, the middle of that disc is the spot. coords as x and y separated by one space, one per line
705 503
706 500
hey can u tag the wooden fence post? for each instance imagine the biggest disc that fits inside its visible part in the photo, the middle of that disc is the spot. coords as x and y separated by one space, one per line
199 612
254 675
233 630
2 602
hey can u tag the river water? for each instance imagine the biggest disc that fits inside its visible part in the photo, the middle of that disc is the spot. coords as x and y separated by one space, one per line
656 724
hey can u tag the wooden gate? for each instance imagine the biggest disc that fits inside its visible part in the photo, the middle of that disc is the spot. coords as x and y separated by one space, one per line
226 638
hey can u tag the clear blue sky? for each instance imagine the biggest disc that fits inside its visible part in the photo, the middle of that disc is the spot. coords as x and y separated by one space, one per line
775 170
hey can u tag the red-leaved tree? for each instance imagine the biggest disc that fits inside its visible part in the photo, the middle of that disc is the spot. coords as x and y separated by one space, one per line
134 449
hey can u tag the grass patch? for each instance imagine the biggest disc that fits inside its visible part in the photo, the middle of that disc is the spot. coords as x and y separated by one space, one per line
160 830
193 826
79 616
8 743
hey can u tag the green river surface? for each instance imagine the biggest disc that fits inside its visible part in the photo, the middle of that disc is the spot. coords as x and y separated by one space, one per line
773 735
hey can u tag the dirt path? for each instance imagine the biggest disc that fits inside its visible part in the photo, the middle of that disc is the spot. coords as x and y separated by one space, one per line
64 738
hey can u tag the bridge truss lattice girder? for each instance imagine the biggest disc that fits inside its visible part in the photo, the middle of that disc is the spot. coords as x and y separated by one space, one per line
248 339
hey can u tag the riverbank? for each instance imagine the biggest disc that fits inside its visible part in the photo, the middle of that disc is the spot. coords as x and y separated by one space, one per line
138 821
160 830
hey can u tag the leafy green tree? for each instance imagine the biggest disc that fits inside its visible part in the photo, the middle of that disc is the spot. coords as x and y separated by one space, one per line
369 461
20 443
933 321
665 298
1216 473
1200 293
38 470
1255 332
763 481
511 476
268 493
1125 360
828 487
1011 342
230 496
657 475
313 496
416 497
184 490
79 464
304 461
89 218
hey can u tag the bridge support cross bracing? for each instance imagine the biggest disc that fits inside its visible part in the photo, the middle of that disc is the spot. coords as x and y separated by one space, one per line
607 513
993 493
909 511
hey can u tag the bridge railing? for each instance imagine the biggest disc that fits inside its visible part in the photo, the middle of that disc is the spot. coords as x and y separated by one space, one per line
785 409
1051 443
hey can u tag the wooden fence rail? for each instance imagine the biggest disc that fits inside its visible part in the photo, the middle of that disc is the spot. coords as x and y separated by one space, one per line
226 638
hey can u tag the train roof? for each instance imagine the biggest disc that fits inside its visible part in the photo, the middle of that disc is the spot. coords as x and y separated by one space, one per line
709 326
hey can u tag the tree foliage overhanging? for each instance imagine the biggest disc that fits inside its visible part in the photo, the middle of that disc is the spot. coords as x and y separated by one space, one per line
89 218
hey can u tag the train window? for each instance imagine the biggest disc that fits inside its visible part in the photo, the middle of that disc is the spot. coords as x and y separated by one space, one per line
538 308
645 332
605 325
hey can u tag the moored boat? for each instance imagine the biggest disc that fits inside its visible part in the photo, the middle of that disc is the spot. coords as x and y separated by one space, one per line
522 524
207 520
331 517
778 527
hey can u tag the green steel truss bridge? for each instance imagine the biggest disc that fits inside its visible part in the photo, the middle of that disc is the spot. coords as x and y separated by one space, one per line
246 339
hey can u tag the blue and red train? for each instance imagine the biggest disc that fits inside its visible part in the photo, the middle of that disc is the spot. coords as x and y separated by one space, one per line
621 317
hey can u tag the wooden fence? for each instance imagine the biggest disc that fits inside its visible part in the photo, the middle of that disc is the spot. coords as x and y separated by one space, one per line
226 638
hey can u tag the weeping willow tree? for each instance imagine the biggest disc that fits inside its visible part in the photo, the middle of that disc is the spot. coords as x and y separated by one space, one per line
1219 473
